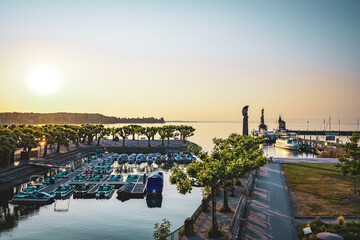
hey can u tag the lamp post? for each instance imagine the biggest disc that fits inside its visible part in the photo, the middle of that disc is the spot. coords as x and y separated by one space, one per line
42 143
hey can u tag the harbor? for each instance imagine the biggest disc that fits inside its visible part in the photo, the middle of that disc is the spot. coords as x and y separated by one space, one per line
97 177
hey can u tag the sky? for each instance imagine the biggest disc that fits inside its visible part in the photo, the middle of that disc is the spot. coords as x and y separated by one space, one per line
183 60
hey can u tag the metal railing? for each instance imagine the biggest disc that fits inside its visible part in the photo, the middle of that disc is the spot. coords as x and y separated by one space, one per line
237 222
175 235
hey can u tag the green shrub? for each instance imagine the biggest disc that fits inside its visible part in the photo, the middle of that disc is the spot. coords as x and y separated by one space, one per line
161 230
340 220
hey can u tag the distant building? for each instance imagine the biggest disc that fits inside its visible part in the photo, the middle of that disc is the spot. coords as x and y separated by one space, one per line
282 124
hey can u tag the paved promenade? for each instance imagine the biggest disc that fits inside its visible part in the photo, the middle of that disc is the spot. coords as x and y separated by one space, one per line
304 160
270 213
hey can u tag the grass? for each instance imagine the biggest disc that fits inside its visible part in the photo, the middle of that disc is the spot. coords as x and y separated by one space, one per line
349 230
320 189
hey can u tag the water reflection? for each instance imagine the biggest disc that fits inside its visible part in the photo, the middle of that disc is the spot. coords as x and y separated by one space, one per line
10 215
154 201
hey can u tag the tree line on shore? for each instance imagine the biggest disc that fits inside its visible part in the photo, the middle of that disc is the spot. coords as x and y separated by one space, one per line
70 118
28 137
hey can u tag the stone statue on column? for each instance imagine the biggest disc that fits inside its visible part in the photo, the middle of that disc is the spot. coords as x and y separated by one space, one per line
245 120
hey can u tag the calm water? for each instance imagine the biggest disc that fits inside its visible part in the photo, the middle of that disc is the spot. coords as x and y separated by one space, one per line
113 219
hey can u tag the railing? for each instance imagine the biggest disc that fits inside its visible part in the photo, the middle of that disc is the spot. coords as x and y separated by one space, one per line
175 235
237 222
198 211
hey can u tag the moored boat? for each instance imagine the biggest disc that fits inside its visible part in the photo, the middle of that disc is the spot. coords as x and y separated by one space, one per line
64 191
81 178
105 191
288 143
115 178
33 198
154 184
132 178
81 191
97 177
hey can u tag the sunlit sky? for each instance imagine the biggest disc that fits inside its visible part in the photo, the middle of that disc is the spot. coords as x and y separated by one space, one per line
183 60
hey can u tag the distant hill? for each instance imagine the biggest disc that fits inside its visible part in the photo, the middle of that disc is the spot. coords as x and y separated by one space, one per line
69 118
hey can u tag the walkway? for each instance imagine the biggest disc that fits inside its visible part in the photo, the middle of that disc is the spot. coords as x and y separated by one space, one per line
303 160
270 213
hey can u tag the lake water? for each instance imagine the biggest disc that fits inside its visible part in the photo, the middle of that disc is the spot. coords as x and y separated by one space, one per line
114 219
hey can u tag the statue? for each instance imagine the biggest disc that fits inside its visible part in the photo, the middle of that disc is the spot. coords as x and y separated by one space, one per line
262 125
245 120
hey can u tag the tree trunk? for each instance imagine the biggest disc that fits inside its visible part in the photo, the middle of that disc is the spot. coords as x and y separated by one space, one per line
162 141
45 150
123 142
58 148
355 185
149 141
134 137
213 208
168 141
225 199
98 142
77 142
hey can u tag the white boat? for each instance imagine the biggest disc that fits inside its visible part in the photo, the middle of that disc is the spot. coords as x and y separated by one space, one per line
288 143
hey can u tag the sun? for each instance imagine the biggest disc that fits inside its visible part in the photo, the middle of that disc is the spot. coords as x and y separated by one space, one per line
44 80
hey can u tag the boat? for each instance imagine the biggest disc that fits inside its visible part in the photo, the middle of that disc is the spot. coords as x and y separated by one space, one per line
64 190
125 191
158 160
47 181
62 174
97 177
115 178
150 159
170 160
139 159
33 198
81 191
178 159
155 183
81 178
288 143
31 188
105 191
131 159
103 169
132 178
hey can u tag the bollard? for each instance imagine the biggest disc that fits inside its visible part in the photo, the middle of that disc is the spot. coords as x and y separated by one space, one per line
189 226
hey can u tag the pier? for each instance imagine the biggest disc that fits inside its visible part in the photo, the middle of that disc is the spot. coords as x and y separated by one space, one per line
314 132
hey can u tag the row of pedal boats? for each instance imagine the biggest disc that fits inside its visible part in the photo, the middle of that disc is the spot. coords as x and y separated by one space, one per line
33 194
155 158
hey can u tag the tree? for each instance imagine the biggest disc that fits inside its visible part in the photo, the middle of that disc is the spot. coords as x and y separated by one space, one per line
231 158
150 132
239 154
187 131
170 132
124 132
60 137
7 145
133 130
27 138
204 173
161 230
350 162
162 134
